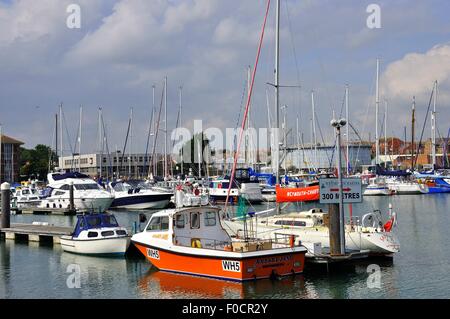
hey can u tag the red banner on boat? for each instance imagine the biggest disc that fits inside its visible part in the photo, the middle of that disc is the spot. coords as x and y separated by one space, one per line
304 194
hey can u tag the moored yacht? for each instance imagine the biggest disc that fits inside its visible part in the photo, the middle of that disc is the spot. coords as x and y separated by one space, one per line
137 196
369 233
88 195
404 187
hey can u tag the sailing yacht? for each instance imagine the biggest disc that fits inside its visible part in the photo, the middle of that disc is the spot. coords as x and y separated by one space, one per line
406 187
369 233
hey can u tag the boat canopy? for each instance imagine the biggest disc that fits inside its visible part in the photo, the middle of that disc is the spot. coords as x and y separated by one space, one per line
58 177
91 221
382 172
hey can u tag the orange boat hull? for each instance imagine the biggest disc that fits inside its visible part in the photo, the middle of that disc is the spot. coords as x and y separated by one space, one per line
234 269
304 194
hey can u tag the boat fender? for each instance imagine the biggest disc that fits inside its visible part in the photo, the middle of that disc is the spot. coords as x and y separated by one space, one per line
196 243
388 226
291 241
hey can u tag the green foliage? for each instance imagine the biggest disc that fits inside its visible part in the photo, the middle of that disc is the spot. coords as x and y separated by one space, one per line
190 153
34 163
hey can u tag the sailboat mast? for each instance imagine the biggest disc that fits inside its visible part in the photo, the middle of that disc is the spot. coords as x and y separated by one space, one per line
385 132
433 126
377 105
100 140
347 130
154 162
166 173
313 105
61 131
298 146
277 96
247 136
180 125
79 139
56 141
412 133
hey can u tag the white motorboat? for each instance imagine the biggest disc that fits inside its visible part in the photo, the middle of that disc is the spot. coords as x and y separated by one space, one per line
88 195
138 196
97 234
377 187
26 197
218 190
243 185
400 187
370 233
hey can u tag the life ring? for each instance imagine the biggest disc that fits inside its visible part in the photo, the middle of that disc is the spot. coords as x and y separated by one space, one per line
366 218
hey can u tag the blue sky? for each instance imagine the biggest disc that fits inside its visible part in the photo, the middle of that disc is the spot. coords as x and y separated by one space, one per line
124 47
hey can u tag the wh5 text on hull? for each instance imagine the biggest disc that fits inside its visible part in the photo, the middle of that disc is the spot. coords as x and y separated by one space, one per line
230 265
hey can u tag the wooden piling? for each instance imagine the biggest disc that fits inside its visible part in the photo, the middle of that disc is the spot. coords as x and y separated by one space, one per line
334 230
5 220
72 202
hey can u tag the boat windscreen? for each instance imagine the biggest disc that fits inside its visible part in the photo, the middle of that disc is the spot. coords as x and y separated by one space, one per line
85 187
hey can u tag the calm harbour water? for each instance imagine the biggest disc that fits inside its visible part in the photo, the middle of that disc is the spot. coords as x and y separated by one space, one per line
420 270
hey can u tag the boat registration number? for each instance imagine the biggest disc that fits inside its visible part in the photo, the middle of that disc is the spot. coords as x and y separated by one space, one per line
153 253
231 265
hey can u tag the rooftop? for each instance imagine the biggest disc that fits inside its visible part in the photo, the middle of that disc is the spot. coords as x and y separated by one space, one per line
9 140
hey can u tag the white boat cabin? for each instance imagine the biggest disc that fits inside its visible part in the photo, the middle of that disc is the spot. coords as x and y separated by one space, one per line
197 227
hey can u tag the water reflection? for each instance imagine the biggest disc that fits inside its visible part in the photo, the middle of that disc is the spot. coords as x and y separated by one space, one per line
170 285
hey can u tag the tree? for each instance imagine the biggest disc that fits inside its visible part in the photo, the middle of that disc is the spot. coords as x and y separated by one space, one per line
190 153
34 163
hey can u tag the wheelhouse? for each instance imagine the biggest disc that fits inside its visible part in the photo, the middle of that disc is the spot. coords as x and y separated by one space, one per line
197 227
91 222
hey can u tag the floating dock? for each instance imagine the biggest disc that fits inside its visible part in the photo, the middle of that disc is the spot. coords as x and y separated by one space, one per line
36 232
44 211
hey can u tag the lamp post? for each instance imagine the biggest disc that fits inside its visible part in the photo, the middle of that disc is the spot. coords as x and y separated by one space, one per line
338 124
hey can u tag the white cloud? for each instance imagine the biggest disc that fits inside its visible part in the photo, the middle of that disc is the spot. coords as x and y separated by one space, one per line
415 73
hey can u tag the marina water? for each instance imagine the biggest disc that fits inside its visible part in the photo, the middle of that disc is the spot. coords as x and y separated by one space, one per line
420 270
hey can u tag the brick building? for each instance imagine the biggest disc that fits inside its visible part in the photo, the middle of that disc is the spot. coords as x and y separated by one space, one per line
9 159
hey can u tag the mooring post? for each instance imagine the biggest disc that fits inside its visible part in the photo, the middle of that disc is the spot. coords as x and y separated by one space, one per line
6 206
71 204
334 229
338 209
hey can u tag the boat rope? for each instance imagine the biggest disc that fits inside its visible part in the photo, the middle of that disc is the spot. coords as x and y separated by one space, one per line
244 120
